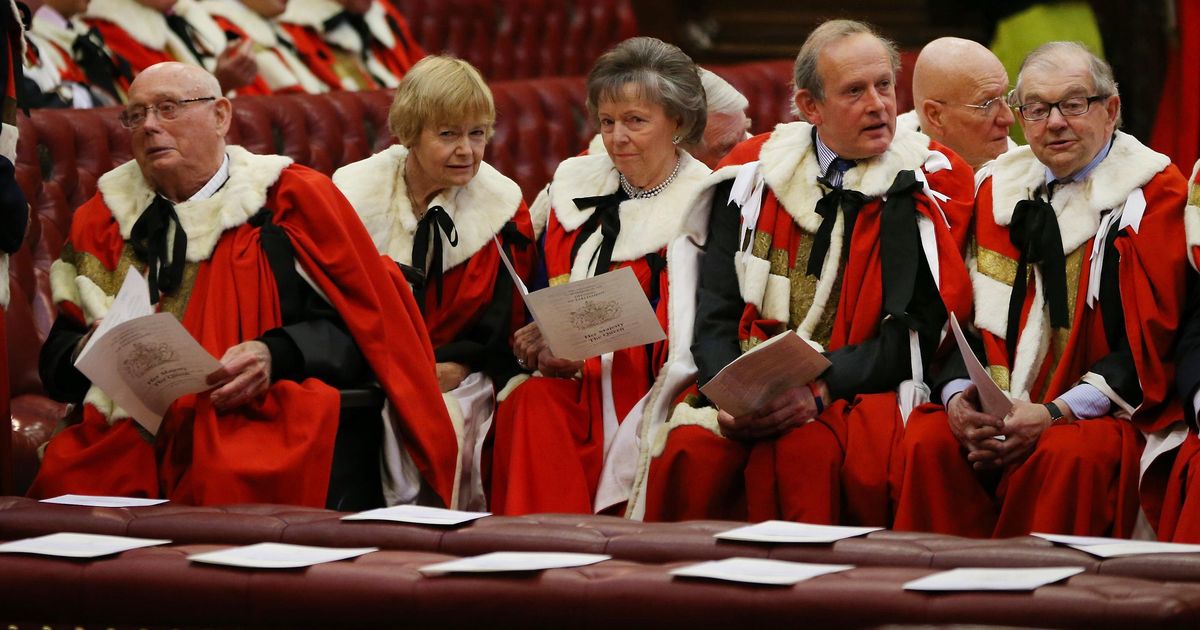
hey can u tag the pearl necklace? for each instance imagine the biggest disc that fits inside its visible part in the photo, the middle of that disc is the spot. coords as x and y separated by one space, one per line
638 193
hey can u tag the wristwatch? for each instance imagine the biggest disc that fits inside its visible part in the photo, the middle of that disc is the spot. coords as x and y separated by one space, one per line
1055 413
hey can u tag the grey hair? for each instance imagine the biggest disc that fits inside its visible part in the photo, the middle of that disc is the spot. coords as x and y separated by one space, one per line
659 72
1050 54
722 97
804 73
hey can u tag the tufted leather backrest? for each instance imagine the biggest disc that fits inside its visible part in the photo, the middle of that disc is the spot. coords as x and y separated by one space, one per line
516 39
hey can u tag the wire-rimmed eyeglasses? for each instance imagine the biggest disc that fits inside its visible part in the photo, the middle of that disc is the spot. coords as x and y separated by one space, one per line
169 109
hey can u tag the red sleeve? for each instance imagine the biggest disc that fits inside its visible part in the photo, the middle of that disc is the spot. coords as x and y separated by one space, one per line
335 250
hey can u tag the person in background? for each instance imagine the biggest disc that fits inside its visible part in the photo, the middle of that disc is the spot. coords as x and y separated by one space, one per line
959 91
612 209
266 264
66 64
145 32
274 52
727 123
432 205
352 44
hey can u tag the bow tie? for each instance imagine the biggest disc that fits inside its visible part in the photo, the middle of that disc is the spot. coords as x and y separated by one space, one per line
606 217
186 32
850 202
1034 232
149 240
436 219
355 21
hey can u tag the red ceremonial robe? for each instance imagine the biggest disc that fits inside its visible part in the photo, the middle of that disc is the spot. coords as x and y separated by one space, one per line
279 69
140 35
1180 519
835 468
1083 477
334 53
550 433
469 322
277 449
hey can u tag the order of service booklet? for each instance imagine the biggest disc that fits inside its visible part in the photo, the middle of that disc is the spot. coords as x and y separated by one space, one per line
587 318
751 380
144 360
991 397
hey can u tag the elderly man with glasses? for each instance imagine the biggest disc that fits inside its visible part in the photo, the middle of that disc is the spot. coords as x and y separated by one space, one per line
959 90
266 264
1079 276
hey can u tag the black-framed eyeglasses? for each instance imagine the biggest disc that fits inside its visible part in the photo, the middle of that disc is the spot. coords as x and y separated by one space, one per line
169 109
1074 106
986 107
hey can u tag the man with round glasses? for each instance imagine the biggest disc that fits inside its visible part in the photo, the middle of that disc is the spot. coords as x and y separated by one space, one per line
959 90
1079 277
266 264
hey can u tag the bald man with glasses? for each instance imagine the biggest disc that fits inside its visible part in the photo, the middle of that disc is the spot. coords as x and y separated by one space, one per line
959 90
1079 274
267 265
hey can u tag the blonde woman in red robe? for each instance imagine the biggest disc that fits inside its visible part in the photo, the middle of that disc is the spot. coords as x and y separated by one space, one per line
433 206
618 208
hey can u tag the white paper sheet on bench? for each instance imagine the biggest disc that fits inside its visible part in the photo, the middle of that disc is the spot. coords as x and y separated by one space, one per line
279 555
417 514
74 545
1136 548
758 571
90 500
788 532
987 579
1076 541
504 561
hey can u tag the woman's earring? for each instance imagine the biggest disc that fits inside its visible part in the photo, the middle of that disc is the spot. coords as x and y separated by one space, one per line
675 139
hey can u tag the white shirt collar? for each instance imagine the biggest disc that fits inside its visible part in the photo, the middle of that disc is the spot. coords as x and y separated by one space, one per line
218 180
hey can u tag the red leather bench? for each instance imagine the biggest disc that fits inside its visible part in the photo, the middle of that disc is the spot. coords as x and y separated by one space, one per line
158 587
621 538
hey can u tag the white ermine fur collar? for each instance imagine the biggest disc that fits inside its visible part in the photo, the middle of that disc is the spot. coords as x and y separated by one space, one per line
127 194
909 121
1017 175
376 188
313 13
790 167
60 35
647 225
258 29
596 145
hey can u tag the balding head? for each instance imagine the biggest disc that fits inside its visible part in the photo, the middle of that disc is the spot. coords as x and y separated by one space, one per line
178 155
950 77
